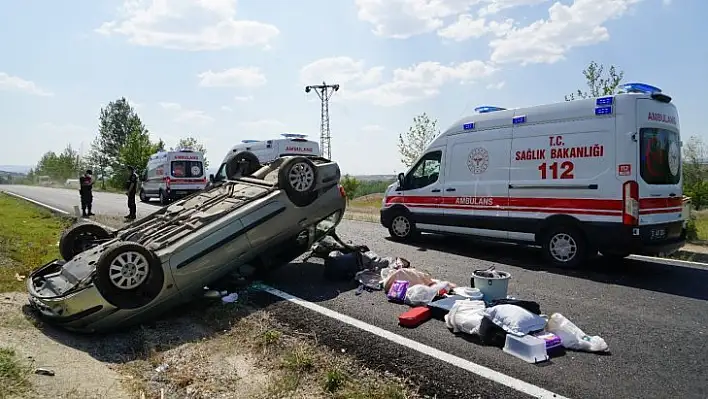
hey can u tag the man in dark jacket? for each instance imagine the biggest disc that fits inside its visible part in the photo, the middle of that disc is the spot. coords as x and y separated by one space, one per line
131 189
86 193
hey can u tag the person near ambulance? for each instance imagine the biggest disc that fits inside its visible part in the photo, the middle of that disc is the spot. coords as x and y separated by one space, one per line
86 193
131 187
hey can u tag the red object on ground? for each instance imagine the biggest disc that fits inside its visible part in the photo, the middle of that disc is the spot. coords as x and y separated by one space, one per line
415 316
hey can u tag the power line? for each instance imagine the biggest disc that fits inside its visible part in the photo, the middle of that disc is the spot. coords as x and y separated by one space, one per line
324 92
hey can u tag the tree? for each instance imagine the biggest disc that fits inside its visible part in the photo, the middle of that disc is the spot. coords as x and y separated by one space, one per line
695 171
350 185
116 122
191 142
598 85
412 143
137 150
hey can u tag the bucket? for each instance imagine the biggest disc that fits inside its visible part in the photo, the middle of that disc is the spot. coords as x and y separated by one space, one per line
491 287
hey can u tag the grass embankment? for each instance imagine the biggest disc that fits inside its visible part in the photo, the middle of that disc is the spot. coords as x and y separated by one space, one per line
28 239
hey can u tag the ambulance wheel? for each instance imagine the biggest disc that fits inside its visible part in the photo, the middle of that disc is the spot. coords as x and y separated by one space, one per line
564 246
143 197
79 237
163 198
298 177
129 276
402 227
242 163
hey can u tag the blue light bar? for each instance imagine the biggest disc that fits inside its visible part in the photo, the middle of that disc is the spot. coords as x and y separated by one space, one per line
604 101
603 111
519 119
640 88
294 135
488 108
468 126
249 141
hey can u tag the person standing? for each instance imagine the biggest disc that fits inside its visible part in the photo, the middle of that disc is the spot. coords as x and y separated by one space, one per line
131 189
86 193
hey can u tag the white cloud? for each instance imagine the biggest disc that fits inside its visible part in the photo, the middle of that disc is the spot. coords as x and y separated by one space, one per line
170 106
496 6
187 25
467 27
401 19
226 109
234 77
340 70
243 98
184 115
667 2
568 26
420 81
496 86
14 83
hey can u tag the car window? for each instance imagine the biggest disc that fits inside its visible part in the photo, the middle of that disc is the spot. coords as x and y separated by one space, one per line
426 171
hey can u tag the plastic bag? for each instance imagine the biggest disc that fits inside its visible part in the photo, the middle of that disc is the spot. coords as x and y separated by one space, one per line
515 319
573 337
465 316
420 295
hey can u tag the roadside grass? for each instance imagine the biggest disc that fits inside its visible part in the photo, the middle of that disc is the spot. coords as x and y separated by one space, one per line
28 239
14 376
262 357
702 225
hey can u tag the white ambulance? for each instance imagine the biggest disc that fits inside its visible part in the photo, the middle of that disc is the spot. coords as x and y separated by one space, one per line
578 177
269 150
172 175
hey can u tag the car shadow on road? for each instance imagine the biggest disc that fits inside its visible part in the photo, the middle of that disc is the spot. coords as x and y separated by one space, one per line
685 281
306 281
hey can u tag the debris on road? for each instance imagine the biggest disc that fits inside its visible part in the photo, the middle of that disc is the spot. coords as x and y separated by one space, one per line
43 371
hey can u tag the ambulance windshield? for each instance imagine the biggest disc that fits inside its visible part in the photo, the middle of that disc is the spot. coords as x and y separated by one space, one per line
660 156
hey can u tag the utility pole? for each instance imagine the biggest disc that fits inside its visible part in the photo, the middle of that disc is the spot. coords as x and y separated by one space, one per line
324 92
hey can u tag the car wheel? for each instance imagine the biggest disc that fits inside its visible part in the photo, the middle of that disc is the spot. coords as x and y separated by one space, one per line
163 198
298 177
80 237
402 228
564 246
242 163
129 276
143 197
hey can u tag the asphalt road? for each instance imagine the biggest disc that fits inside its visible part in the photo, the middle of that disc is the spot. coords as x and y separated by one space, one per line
653 315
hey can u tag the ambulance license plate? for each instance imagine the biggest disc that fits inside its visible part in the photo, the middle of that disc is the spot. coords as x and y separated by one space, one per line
657 234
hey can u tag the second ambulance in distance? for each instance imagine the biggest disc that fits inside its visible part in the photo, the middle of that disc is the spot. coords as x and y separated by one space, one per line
600 174
171 175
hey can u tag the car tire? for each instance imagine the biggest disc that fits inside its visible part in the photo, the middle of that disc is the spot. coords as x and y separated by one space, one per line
76 239
242 163
129 276
402 228
298 177
564 246
163 198
143 197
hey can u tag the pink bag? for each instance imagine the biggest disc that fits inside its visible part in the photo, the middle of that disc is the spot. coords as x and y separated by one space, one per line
397 292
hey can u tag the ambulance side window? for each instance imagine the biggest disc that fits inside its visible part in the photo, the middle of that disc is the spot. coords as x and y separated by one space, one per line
425 172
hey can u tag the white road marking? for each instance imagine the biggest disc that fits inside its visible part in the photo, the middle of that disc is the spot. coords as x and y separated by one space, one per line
484 372
51 208
678 262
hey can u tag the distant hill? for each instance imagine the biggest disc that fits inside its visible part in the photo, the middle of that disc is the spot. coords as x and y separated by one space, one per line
16 169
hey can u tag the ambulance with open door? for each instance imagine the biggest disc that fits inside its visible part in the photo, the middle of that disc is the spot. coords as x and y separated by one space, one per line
171 175
600 174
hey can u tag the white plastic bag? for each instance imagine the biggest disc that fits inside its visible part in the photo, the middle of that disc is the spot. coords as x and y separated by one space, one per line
420 295
515 319
573 337
465 316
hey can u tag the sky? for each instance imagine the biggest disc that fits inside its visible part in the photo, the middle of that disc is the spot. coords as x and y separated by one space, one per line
227 70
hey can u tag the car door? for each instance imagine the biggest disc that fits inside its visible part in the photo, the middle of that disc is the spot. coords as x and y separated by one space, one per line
422 189
477 183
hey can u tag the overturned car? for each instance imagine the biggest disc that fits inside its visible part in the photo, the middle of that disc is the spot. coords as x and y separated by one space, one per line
261 215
